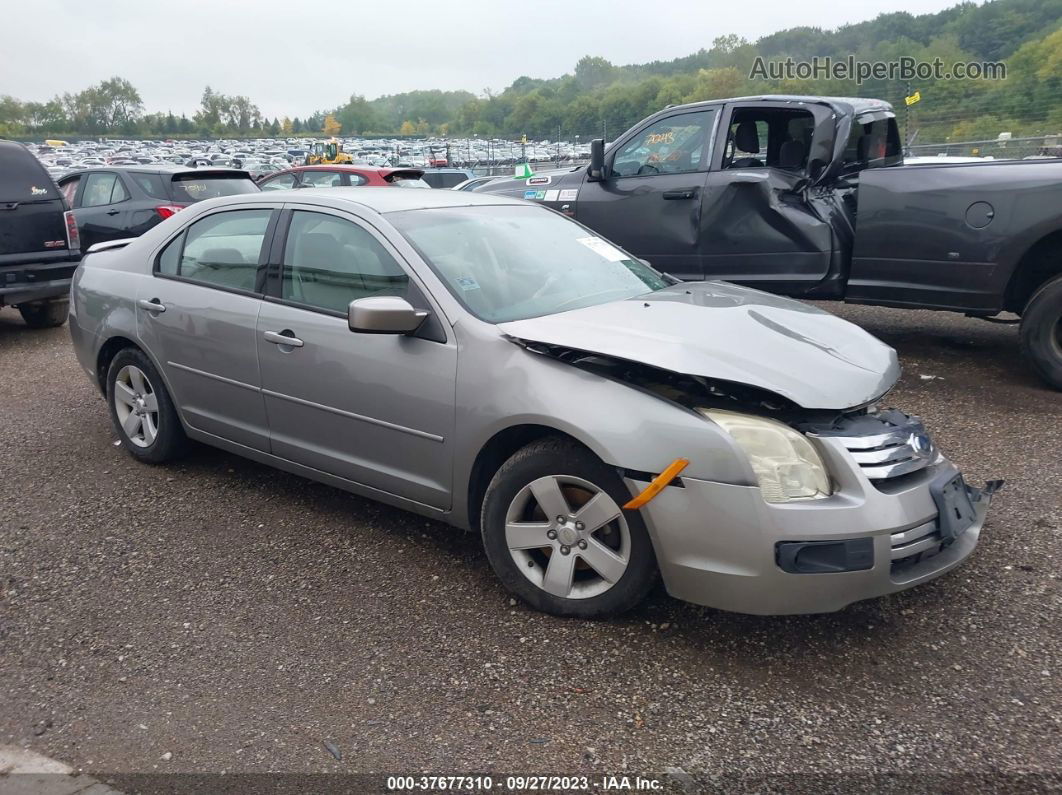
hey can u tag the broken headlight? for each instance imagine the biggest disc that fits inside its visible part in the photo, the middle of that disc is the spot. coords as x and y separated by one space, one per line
787 465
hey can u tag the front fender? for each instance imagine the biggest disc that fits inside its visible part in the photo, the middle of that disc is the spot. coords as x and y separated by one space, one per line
623 425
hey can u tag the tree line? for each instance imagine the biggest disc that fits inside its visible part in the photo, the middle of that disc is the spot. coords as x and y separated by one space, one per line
600 98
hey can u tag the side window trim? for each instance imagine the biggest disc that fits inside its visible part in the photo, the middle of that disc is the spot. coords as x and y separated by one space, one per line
263 253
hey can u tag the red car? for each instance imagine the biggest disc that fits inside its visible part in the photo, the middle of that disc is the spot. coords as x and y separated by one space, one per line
336 176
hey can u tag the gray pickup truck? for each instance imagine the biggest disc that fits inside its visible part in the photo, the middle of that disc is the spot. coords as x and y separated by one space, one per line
809 197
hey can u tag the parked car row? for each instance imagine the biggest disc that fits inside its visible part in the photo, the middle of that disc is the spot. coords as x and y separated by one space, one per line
262 157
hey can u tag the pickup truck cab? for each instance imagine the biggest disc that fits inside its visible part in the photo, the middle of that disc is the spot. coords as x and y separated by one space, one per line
809 197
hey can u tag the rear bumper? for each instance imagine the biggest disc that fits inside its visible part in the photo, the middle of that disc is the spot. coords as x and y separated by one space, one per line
717 544
35 281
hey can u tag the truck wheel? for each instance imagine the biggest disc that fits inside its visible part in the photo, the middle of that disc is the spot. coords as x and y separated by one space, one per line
141 409
45 314
1041 332
556 536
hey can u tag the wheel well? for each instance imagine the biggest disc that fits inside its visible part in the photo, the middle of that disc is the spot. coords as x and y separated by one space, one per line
496 452
1040 263
106 355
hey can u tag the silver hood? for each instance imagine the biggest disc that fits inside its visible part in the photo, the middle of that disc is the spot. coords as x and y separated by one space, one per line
722 331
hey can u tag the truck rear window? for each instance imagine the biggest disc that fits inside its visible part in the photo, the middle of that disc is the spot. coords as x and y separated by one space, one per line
23 178
196 187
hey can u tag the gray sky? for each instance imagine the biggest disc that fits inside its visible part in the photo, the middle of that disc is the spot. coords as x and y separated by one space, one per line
297 57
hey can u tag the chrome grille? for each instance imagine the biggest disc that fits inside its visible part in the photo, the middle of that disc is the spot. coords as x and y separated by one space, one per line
898 451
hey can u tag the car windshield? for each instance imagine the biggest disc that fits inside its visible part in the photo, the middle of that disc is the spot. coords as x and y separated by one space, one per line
507 263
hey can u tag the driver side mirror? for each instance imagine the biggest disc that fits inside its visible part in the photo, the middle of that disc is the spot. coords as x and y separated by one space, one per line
597 171
384 314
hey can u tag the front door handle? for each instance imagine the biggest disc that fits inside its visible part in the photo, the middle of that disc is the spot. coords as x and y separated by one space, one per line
681 193
285 337
113 212
154 305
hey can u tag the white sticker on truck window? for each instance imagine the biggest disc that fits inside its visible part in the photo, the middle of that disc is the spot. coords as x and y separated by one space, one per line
604 248
569 194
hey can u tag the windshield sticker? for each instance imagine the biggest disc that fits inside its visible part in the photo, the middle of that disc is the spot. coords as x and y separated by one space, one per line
569 195
551 195
530 194
466 283
603 247
539 181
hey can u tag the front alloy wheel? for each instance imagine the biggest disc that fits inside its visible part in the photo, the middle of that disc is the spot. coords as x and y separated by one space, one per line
556 536
568 537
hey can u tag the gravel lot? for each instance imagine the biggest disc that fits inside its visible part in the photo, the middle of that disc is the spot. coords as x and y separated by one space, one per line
221 616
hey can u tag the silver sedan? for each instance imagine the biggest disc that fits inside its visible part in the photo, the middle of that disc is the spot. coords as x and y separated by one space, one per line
495 365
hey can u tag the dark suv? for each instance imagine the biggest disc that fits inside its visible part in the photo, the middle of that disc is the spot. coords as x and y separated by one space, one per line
39 246
115 202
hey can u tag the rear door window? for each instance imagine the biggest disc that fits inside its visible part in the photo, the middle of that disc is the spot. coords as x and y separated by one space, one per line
22 177
224 249
98 189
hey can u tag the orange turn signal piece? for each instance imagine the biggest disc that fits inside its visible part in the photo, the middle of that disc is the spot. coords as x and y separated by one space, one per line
657 484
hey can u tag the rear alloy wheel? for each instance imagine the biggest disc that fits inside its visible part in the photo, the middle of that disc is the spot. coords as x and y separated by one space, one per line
45 314
557 537
141 409
1041 332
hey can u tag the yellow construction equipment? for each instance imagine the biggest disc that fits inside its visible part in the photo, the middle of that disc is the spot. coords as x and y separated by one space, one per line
327 153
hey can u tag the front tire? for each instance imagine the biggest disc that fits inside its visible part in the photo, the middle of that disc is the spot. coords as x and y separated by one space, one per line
1041 332
141 409
45 314
557 538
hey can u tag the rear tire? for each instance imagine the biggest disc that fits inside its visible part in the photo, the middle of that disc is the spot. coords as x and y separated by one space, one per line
604 559
45 314
1041 332
141 409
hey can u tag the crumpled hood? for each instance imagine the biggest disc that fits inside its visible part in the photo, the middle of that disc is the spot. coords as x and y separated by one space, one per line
722 331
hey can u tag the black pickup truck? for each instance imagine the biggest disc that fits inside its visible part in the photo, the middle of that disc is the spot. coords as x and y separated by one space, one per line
809 197
39 243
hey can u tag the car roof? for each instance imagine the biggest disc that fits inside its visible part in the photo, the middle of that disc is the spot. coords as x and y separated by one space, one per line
379 199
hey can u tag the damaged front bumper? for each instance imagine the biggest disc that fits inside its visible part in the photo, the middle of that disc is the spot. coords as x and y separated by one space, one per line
723 546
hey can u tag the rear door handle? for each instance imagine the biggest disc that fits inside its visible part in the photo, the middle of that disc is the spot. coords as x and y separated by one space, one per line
154 305
285 337
113 212
681 193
